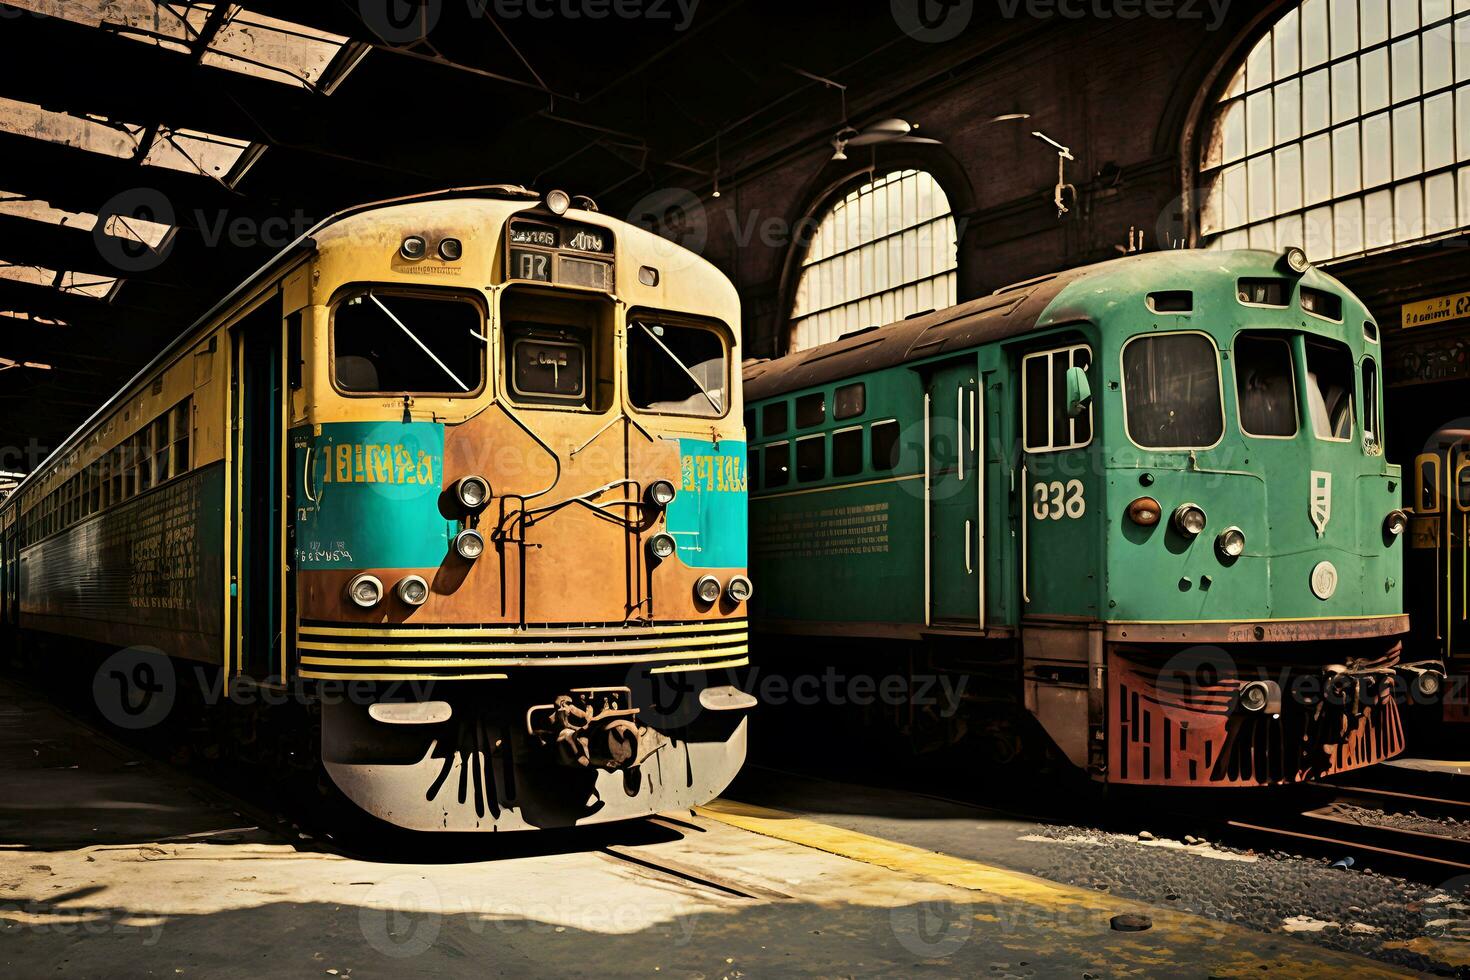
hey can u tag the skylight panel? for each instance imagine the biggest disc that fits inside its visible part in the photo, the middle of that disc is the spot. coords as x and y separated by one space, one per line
77 283
28 317
150 233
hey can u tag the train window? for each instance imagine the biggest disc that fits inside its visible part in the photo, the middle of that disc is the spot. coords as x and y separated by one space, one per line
1047 423
850 401
1427 492
674 369
884 440
775 465
1370 331
847 451
1171 301
1265 386
811 458
1330 390
182 424
1264 292
143 460
1320 303
162 443
388 342
773 419
811 410
1171 391
1372 423
547 363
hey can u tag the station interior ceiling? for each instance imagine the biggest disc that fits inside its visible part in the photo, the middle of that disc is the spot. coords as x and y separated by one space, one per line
153 154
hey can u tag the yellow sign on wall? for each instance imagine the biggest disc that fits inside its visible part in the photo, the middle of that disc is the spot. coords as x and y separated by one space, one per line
1433 311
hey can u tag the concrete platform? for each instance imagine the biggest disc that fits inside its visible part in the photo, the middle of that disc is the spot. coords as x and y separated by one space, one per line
112 866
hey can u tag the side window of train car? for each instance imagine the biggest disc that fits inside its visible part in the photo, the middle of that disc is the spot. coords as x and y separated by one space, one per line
847 451
389 342
811 458
850 401
1330 390
773 419
775 465
676 369
1426 491
1265 386
1172 397
883 437
1372 421
1047 423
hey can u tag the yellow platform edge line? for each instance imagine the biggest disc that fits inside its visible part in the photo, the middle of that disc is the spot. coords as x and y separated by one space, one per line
1069 911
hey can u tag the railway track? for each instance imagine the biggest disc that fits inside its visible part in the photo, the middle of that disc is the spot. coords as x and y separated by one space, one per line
1416 835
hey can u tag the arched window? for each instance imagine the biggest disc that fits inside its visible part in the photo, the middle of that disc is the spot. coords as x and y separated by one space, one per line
883 252
1346 130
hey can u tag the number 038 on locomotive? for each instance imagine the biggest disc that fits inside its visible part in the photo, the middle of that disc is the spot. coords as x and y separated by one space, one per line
1143 503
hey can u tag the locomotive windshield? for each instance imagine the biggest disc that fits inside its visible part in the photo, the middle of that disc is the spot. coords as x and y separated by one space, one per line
675 369
1171 385
1265 386
387 342
1330 390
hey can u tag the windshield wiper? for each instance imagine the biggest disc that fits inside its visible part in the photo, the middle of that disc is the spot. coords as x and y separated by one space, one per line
714 403
422 346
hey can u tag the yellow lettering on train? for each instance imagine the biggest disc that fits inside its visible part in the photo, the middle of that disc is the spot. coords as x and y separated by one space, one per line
426 467
344 463
725 474
377 463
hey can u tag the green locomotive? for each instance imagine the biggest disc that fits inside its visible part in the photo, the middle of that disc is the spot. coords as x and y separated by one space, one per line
1147 500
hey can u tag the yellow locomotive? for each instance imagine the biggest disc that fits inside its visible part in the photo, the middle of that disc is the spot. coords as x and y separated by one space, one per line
468 470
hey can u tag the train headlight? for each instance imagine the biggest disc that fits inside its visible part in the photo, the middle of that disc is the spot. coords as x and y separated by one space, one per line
450 249
1395 522
1428 684
707 589
365 590
1189 519
468 544
1296 261
558 201
413 247
1258 696
661 546
1145 512
1230 543
739 589
472 492
413 590
661 492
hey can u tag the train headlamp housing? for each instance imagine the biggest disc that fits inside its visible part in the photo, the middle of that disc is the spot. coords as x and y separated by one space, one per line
1260 696
1230 543
661 546
707 589
1395 523
450 249
1189 520
412 590
413 247
661 493
468 544
1426 680
558 201
739 589
472 492
365 590
1145 512
1295 261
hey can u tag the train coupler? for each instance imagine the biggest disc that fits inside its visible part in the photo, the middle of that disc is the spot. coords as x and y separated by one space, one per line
594 727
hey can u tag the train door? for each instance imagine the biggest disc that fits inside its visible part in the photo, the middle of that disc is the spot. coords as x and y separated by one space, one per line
954 492
257 565
1060 554
1438 559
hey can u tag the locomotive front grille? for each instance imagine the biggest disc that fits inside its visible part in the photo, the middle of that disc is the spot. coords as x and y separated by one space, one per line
381 652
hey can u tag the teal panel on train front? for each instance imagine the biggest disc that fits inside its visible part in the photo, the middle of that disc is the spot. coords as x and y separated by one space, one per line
708 515
371 495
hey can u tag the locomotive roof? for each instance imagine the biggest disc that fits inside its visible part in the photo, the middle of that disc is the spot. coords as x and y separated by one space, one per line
1005 313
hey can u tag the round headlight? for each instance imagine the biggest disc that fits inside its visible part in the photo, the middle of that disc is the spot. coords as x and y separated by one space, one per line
1395 522
413 247
450 249
661 492
1297 261
739 589
1231 543
469 545
558 201
413 590
707 589
661 546
365 590
1189 519
1253 696
1145 512
472 492
1428 683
